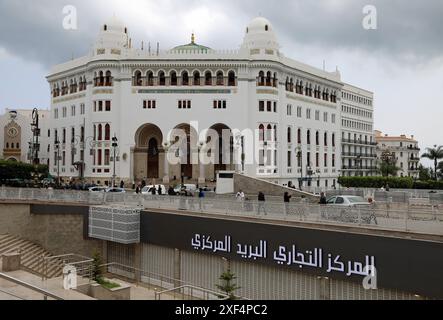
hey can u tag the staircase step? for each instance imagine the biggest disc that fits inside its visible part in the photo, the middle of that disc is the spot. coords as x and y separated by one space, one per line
13 247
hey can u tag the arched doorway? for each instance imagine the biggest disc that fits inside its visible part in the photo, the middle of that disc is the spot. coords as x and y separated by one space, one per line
224 153
186 150
147 152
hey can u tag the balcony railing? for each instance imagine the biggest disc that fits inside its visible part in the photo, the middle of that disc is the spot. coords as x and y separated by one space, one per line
366 143
362 155
360 168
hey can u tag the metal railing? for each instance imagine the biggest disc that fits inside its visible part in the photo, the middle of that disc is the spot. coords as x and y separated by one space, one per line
188 292
46 294
82 264
391 216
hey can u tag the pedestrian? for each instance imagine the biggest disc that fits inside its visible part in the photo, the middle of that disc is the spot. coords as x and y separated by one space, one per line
240 196
201 196
153 191
387 188
323 199
138 190
261 203
171 191
122 185
287 200
160 191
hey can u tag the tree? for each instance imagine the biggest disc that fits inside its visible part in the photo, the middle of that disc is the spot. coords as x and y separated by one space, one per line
387 169
435 154
440 170
97 269
425 173
228 286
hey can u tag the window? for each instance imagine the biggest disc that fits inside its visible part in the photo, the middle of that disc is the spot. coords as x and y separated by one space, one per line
261 106
326 139
107 132
196 78
333 118
308 137
137 79
308 114
325 117
220 78
149 104
208 78
317 115
72 135
289 110
289 159
150 78
100 132
184 104
231 79
72 111
173 77
161 78
219 104
299 137
333 160
289 135
55 113
185 78
65 112
64 158
261 130
82 109
107 157
269 106
108 106
317 160
299 112
326 160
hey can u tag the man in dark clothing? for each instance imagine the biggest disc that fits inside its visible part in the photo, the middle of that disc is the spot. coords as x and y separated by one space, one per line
287 200
122 185
160 191
153 191
261 203
323 200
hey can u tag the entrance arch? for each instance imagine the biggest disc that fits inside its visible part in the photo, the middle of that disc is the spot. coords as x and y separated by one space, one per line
224 153
148 141
187 167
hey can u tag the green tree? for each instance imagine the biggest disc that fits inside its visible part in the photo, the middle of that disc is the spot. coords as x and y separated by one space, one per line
387 169
228 286
97 269
425 173
435 154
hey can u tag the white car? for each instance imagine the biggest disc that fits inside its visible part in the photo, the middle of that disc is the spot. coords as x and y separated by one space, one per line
98 189
188 188
347 201
115 190
148 190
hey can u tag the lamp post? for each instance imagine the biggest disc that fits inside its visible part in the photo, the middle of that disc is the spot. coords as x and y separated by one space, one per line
299 152
114 147
36 134
57 147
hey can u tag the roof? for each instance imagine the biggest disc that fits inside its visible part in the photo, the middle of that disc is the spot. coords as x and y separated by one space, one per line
192 46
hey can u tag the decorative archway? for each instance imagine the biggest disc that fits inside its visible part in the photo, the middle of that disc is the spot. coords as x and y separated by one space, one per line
148 141
224 148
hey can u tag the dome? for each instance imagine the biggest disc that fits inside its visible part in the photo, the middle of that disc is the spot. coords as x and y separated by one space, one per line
260 35
192 46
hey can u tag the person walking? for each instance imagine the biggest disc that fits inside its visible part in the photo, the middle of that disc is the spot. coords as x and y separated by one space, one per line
287 200
154 190
122 184
160 191
323 203
261 203
201 197
323 200
240 196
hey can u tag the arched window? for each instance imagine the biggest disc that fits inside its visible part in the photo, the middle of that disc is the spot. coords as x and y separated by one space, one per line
287 84
108 79
107 132
269 133
7 145
326 139
220 78
261 78
289 135
105 27
308 137
95 133
333 139
150 78
266 28
299 137
275 80
185 78
261 130
269 79
100 132
291 85
317 138
12 145
161 78
208 78
231 79
18 145
275 133
196 78
138 78
102 79
173 76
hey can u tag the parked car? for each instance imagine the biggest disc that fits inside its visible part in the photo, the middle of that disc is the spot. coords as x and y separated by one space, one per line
148 189
98 189
115 190
186 189
347 201
350 209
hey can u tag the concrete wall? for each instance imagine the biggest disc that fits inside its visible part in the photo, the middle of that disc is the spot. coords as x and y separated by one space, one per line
254 186
60 232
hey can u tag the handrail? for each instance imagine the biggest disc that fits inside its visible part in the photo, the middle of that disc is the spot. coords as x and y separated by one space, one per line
207 291
45 293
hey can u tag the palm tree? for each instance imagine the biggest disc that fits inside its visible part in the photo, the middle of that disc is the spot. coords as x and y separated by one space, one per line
435 154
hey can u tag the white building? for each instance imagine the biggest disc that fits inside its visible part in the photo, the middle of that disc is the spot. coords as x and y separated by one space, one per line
403 150
359 157
140 95
16 135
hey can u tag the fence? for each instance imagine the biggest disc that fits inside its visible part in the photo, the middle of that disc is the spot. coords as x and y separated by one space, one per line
426 219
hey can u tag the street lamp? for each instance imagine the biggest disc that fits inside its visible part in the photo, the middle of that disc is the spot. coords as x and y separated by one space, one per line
114 147
57 147
299 152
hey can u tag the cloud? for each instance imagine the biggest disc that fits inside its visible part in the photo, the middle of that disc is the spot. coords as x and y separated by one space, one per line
408 31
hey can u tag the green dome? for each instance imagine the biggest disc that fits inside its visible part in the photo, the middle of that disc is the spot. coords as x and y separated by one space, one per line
192 46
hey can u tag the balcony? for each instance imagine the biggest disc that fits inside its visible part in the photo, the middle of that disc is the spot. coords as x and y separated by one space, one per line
414 148
361 155
359 142
360 168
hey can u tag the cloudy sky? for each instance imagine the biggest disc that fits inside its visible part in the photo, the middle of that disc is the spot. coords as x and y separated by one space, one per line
401 61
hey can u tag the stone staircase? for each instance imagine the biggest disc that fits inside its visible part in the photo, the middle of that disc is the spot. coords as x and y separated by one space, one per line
31 255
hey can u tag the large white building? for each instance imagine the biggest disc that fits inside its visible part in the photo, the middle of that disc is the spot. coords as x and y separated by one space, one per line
140 95
402 151
17 138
